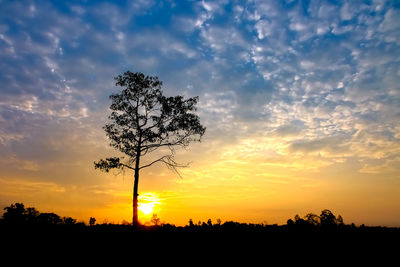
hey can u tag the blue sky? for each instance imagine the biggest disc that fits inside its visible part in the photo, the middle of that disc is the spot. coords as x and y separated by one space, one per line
322 77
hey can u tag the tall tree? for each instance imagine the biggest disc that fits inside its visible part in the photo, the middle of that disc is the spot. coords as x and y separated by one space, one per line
142 121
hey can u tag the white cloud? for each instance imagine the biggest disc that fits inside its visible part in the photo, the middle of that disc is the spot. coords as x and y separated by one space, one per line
221 39
337 29
263 28
345 12
209 6
391 21
327 11
306 64
322 29
255 16
298 26
10 50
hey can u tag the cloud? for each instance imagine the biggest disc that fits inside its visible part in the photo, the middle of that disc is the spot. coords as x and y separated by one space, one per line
221 39
23 186
295 127
328 144
264 29
391 21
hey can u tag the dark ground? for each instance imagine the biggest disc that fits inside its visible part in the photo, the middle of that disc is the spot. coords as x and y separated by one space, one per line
29 237
234 237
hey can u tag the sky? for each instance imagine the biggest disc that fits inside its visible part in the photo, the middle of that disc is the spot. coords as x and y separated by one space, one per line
301 100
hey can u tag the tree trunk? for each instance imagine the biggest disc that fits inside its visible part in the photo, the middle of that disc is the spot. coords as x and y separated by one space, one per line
135 221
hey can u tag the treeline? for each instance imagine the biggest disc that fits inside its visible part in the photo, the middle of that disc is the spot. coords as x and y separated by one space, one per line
16 215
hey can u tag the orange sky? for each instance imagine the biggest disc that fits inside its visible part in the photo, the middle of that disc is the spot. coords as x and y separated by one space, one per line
234 182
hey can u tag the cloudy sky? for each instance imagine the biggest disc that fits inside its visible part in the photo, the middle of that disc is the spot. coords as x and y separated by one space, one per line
301 100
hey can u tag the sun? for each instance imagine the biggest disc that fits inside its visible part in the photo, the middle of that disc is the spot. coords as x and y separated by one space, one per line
146 208
148 203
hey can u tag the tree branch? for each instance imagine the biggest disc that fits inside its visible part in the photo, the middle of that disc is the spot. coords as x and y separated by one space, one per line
169 161
110 163
161 144
148 165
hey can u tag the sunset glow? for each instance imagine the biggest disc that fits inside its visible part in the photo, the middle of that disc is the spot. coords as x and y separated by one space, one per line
149 204
301 101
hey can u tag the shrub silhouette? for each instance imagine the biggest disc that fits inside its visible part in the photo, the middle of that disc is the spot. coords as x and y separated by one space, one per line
17 215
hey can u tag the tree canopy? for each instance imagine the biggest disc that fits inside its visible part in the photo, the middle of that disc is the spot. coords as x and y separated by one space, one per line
143 120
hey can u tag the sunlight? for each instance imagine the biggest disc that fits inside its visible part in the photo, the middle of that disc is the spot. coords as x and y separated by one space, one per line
146 208
148 203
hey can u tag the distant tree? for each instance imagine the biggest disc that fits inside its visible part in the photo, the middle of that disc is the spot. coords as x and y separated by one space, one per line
191 224
49 219
312 219
327 218
92 221
339 220
15 214
68 220
31 215
290 222
155 220
143 120
298 220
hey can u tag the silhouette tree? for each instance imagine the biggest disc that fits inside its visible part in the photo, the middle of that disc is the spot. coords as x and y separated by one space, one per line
299 221
327 218
155 220
92 221
144 120
68 220
339 220
49 218
191 224
312 219
15 214
31 215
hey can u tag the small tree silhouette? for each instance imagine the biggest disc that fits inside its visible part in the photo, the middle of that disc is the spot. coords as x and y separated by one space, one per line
155 220
327 218
92 221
